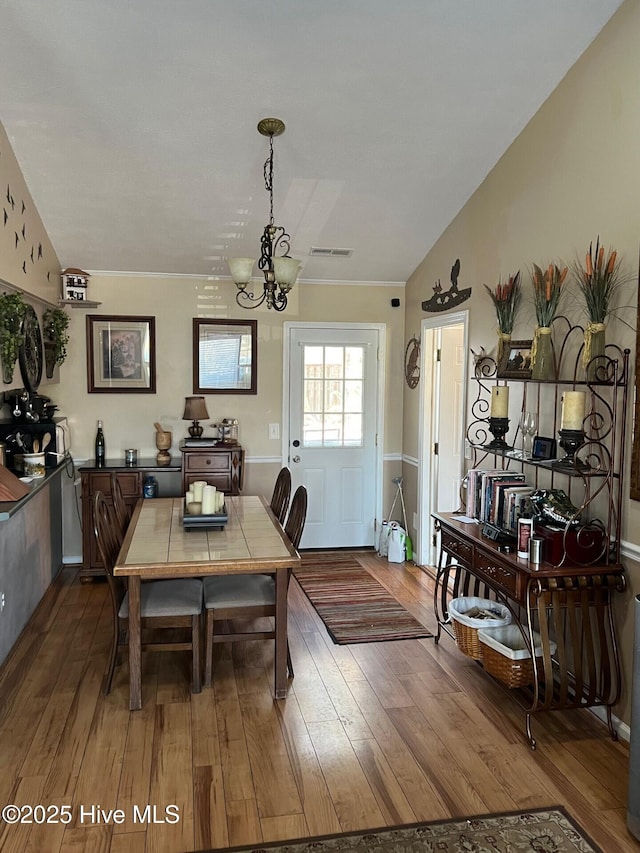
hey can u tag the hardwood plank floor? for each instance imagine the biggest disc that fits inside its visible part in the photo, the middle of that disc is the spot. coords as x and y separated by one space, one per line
369 735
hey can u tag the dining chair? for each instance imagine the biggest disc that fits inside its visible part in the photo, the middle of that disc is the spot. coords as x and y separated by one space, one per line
248 596
281 494
121 509
171 603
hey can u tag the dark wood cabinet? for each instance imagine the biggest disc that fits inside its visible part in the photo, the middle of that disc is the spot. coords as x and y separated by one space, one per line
131 480
220 466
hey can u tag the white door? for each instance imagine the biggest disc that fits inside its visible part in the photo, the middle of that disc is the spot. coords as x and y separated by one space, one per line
333 434
442 418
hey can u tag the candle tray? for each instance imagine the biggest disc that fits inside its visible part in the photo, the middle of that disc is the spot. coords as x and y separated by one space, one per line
215 521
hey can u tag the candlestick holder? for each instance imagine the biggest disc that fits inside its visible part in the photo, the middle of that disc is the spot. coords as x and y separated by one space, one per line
570 441
498 427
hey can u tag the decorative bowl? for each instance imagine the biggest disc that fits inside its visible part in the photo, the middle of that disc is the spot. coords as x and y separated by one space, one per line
194 508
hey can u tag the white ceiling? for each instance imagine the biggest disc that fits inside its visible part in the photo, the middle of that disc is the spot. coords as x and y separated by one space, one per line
135 122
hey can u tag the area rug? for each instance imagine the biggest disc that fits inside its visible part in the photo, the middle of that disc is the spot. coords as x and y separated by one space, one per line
549 830
352 604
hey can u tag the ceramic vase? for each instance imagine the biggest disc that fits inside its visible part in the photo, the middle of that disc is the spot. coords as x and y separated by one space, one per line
593 357
542 365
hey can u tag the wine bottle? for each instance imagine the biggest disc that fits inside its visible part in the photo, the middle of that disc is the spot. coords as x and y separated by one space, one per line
100 446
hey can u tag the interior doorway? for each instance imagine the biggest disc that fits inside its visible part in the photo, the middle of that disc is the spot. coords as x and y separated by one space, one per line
442 420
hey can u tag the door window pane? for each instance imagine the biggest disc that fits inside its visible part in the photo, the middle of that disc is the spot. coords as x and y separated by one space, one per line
333 396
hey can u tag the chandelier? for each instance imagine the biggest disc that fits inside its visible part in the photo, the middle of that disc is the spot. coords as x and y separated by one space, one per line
279 270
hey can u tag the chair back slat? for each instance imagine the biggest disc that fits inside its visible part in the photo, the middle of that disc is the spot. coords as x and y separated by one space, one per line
119 505
281 493
297 516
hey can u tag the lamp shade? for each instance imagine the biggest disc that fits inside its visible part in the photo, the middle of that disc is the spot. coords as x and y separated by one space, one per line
286 271
195 409
241 269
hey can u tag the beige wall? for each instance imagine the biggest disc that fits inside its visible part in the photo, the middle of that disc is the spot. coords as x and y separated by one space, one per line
129 418
572 174
23 240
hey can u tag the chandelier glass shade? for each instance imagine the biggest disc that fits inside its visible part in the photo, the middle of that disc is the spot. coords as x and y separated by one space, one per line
280 271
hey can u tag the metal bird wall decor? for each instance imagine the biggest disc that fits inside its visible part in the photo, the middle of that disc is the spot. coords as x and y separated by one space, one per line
450 298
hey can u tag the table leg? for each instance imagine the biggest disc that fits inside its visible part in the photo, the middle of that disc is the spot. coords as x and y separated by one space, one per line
281 634
135 676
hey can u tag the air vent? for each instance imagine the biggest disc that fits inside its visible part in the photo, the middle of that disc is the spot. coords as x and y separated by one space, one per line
322 252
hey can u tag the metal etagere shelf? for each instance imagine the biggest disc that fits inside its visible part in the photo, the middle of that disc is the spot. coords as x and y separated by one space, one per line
562 607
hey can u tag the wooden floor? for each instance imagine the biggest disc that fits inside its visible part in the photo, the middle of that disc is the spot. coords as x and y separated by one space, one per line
370 735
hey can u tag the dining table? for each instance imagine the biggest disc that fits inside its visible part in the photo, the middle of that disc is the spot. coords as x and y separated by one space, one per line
158 544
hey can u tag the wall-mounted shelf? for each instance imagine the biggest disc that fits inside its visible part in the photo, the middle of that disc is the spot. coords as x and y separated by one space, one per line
79 303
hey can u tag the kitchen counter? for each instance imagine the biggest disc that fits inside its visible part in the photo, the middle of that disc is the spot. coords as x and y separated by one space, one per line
10 508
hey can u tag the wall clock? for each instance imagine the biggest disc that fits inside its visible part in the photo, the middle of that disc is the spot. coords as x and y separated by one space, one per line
412 363
31 351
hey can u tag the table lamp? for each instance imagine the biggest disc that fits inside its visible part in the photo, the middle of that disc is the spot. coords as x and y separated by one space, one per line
195 410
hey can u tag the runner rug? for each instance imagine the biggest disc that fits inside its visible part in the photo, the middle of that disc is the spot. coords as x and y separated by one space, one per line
352 604
549 830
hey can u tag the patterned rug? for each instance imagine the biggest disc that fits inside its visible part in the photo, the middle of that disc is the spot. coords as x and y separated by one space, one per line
352 604
549 830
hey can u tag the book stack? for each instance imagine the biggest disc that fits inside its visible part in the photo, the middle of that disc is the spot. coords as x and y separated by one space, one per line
496 497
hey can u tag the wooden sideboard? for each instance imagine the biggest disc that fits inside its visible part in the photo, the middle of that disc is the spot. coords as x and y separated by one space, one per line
131 479
569 605
219 465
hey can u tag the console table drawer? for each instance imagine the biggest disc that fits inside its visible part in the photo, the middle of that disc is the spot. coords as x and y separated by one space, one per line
207 462
487 567
454 547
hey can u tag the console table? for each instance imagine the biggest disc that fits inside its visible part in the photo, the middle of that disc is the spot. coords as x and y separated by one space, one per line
569 605
219 465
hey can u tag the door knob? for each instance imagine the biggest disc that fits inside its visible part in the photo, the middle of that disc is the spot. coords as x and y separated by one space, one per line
296 459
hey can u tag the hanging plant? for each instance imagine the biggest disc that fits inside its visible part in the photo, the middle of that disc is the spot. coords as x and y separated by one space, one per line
55 323
12 311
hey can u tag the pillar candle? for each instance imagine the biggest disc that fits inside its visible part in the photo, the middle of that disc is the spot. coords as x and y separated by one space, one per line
208 500
219 501
188 497
500 401
198 486
573 405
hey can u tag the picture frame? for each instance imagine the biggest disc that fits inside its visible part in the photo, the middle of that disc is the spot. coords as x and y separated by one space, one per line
121 357
543 448
225 356
516 360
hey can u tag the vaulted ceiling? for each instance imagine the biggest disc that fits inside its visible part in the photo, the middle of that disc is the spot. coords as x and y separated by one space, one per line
135 122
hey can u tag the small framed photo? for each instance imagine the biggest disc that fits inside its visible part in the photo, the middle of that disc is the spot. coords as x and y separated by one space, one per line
516 361
543 448
121 356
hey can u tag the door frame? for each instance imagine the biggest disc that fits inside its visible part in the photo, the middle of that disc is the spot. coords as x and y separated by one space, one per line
426 424
381 328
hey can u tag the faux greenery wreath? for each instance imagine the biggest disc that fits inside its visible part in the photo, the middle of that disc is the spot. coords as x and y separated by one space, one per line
12 310
55 323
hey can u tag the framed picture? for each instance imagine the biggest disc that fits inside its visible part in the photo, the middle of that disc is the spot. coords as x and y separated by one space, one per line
516 361
121 356
225 356
543 448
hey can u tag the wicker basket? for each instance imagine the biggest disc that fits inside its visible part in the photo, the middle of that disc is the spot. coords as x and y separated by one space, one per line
466 627
505 655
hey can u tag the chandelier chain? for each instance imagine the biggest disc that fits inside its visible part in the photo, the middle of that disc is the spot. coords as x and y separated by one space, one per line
268 177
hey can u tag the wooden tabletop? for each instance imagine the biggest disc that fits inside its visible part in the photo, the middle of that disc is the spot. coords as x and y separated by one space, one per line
157 543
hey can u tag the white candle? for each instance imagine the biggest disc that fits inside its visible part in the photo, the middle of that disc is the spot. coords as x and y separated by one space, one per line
188 497
500 401
198 486
208 500
219 501
573 406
